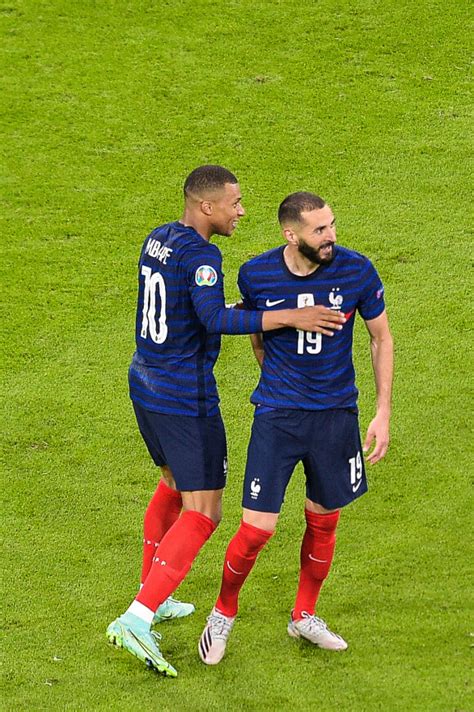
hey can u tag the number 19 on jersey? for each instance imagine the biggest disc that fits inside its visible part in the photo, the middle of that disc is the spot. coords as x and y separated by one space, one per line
309 341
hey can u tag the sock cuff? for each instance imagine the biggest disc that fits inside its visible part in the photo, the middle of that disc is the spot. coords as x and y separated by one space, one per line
204 523
252 532
327 521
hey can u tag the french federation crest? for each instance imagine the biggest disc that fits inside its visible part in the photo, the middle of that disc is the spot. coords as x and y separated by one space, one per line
255 488
335 299
206 276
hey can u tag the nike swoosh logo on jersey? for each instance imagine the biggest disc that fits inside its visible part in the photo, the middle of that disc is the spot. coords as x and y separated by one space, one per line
233 570
273 302
356 487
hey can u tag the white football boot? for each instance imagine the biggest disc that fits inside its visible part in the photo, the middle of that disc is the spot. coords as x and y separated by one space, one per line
214 637
316 631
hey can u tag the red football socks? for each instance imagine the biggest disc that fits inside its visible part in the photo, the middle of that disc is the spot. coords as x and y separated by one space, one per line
240 557
317 551
174 557
162 512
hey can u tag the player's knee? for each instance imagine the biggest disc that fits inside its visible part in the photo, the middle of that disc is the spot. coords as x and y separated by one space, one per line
213 510
316 508
262 520
207 502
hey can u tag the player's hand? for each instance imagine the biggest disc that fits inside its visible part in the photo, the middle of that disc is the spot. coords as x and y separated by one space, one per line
320 319
378 430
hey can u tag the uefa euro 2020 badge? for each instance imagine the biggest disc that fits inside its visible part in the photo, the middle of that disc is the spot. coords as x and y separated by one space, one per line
335 299
206 276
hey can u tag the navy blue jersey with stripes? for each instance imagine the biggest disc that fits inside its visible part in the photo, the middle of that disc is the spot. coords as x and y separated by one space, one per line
180 316
307 370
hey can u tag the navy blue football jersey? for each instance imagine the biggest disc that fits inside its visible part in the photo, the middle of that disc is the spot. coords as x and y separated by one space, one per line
180 316
306 370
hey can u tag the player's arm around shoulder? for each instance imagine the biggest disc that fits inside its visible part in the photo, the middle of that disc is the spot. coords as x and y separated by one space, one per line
381 346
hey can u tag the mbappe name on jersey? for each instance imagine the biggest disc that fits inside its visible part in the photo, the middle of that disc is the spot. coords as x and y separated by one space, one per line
155 249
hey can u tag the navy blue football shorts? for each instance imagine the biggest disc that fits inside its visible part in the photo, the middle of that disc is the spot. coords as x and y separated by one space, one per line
195 449
328 444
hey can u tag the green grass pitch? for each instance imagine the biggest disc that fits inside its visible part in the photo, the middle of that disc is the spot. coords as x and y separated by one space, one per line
106 106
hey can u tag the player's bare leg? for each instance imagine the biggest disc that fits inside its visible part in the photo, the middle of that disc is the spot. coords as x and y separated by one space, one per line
262 520
206 502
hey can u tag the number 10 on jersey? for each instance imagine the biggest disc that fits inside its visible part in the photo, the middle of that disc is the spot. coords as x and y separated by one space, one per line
310 341
149 307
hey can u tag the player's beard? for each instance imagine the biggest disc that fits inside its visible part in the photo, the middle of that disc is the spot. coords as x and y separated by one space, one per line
313 255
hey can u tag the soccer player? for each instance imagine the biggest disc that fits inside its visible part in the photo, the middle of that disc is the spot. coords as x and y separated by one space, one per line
180 316
306 411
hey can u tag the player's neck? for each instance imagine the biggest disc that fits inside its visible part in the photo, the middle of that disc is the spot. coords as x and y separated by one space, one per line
201 225
297 263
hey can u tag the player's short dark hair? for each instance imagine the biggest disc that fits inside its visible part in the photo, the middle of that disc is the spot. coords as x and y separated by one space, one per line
206 179
296 203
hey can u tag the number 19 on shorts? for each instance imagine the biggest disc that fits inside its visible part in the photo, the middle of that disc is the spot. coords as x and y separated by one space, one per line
355 463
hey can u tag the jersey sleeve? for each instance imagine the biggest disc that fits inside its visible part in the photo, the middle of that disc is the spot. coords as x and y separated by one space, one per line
245 290
371 302
206 288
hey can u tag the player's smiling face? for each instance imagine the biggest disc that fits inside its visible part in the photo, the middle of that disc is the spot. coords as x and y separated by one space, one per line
316 235
227 209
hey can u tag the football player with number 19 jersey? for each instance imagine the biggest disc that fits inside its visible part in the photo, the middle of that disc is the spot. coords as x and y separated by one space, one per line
305 410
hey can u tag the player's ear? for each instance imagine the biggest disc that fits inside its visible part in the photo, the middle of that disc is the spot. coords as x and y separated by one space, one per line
206 207
289 235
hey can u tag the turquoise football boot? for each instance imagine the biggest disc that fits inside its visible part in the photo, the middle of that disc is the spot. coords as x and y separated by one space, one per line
132 634
171 608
